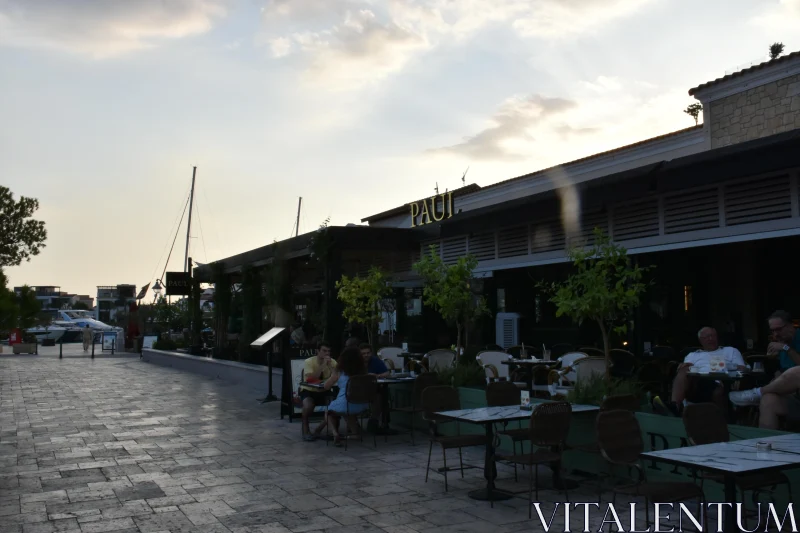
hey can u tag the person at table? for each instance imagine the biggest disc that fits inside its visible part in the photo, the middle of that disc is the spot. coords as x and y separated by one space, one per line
685 389
377 368
350 364
780 398
785 345
316 369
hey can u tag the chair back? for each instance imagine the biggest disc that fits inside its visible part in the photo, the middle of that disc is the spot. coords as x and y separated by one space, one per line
391 356
592 352
619 436
501 393
568 360
422 382
561 349
540 373
587 367
624 402
550 423
664 352
492 362
439 398
623 361
440 359
705 424
650 377
361 389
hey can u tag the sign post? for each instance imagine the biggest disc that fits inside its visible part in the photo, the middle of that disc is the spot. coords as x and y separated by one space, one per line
267 338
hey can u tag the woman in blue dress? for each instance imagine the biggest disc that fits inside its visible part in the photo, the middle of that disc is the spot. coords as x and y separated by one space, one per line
350 363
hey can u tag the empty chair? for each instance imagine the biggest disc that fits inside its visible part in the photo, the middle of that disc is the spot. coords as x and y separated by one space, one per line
624 363
391 356
444 398
567 370
422 382
705 423
586 367
592 352
502 393
440 359
549 427
625 402
492 363
619 438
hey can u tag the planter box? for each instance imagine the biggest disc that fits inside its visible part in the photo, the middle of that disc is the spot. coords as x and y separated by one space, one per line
252 377
30 348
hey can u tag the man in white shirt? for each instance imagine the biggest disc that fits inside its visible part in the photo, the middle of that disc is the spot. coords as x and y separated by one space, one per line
701 390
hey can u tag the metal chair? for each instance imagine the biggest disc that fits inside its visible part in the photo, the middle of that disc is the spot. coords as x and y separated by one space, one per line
360 389
625 402
440 359
549 427
422 382
444 398
705 423
664 352
619 438
500 394
391 356
587 367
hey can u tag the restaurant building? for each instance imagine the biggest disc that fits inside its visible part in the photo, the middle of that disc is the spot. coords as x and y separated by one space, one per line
715 208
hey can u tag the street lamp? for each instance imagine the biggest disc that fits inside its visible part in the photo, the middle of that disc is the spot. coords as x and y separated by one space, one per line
157 288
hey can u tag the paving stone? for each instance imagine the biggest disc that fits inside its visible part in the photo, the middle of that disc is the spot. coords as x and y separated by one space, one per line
119 445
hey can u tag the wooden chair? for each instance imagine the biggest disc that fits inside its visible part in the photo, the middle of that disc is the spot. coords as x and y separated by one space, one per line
623 363
492 363
567 370
500 394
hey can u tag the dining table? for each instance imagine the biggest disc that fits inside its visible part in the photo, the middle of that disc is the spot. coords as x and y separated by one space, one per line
734 458
488 417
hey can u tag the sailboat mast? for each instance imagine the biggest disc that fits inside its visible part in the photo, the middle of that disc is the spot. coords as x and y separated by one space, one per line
297 224
189 226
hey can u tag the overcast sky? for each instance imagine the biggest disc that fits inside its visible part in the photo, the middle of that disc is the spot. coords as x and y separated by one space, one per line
356 105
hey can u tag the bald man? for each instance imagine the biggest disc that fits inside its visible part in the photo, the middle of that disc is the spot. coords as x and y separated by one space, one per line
701 390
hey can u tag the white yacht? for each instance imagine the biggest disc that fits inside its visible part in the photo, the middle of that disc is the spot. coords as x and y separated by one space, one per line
58 330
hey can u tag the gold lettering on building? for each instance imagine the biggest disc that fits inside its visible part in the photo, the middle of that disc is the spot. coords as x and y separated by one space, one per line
433 209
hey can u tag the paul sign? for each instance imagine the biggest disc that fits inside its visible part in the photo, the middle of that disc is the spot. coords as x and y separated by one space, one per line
179 284
433 209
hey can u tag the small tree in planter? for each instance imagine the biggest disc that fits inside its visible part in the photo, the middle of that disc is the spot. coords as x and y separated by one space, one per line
604 288
448 288
362 299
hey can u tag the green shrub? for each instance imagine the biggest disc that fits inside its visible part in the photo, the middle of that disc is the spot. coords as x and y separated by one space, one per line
593 390
463 375
165 344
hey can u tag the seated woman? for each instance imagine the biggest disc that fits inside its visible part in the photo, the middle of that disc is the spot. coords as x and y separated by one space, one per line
350 363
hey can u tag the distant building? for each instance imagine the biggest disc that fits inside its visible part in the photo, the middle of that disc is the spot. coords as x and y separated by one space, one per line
53 298
111 299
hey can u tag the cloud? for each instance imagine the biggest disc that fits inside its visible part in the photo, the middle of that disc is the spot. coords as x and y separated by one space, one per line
104 29
511 124
782 15
593 117
351 43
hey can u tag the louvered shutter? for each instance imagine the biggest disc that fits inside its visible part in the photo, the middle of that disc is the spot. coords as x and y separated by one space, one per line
636 221
481 245
758 200
691 211
453 248
512 242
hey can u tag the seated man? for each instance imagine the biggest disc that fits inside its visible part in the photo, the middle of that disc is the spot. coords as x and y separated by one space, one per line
779 398
316 369
377 368
700 390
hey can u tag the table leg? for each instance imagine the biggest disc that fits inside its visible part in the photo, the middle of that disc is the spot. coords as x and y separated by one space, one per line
730 497
385 411
559 482
490 493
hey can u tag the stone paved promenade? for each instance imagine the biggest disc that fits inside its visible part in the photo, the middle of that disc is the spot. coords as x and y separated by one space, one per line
115 444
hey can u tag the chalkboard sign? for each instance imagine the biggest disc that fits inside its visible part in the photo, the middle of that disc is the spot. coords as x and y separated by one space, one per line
109 340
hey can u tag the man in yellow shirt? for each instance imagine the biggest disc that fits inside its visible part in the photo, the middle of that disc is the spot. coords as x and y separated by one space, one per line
316 369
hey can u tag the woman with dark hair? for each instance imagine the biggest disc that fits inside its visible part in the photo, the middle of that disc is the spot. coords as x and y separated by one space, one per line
350 363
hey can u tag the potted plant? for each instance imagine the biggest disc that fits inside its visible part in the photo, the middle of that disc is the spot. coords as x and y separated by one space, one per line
28 345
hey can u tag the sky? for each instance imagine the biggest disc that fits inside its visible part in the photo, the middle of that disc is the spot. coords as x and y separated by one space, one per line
357 106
